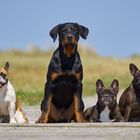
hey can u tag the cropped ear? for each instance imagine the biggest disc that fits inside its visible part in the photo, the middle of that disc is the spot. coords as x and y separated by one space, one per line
54 32
114 86
133 69
6 67
99 86
83 31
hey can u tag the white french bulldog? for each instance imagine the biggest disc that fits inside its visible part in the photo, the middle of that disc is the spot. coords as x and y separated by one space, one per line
10 109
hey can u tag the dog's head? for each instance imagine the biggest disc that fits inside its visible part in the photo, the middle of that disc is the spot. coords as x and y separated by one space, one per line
4 75
136 74
69 34
107 97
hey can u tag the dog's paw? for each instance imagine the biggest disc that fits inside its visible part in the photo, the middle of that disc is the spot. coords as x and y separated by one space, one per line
81 121
41 120
13 121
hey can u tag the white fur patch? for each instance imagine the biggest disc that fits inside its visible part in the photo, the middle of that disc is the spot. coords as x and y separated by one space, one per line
7 104
19 117
104 116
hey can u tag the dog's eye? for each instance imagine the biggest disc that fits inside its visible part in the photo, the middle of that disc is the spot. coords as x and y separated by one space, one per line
63 30
74 29
3 75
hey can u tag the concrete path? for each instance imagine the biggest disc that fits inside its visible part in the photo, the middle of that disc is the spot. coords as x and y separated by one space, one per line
68 131
97 131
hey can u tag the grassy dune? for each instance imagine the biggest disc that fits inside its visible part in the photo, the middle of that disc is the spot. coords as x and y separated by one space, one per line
28 71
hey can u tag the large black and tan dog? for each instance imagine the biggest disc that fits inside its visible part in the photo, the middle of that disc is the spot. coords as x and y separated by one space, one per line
63 90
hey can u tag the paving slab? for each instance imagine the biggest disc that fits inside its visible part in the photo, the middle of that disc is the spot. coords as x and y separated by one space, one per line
68 131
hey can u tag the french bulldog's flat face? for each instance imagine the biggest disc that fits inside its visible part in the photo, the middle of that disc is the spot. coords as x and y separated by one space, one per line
136 74
107 97
4 75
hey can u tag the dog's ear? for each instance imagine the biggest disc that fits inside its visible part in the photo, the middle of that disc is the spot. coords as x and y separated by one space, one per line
6 67
83 31
55 31
114 86
99 86
133 69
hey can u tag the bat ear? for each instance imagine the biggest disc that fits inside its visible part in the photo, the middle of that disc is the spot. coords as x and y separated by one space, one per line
133 69
83 31
99 86
55 31
6 67
114 86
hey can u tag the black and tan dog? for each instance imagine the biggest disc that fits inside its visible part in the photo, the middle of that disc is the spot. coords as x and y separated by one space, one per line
63 90
106 108
130 99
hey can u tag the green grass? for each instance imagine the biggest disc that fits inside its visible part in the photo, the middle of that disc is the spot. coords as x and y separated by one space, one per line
28 71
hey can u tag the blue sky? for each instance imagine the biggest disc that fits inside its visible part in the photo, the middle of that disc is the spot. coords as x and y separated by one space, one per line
114 25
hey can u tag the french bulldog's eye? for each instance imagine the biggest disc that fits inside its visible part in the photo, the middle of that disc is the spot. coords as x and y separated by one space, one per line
3 75
101 95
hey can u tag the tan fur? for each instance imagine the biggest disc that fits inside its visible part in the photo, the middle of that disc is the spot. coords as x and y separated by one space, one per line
68 51
2 70
19 108
61 114
44 118
54 75
78 114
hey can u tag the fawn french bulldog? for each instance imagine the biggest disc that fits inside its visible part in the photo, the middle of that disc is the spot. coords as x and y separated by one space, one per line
106 108
130 99
10 109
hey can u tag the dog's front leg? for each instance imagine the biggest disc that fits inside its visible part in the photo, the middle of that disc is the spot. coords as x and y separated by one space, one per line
78 105
117 115
127 113
12 111
45 105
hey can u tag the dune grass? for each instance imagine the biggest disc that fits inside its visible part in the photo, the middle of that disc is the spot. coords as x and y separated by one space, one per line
28 72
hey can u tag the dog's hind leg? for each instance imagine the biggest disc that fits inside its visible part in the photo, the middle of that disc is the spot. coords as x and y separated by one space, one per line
12 111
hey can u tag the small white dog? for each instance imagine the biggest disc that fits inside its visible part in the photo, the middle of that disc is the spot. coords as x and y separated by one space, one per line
10 109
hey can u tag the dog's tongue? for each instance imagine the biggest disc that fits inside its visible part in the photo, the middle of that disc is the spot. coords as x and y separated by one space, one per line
0 85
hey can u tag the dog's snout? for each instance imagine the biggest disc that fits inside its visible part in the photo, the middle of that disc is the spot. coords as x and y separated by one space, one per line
106 96
69 37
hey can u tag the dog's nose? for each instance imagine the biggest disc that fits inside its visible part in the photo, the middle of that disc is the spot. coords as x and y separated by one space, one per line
69 37
106 102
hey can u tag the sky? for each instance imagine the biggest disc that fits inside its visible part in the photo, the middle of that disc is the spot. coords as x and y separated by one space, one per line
114 25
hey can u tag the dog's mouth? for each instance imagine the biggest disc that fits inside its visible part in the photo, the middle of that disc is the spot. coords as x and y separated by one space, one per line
3 82
70 45
69 49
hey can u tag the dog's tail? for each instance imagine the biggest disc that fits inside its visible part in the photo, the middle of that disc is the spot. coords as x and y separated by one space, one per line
20 115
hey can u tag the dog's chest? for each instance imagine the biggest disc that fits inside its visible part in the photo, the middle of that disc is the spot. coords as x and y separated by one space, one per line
4 108
3 93
3 103
104 115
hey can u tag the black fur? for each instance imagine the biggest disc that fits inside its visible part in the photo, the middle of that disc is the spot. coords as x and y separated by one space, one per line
66 85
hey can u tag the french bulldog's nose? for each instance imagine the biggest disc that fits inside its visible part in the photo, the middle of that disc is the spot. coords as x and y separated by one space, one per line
106 102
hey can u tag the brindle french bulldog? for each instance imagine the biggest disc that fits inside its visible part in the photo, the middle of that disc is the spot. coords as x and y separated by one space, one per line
130 99
106 108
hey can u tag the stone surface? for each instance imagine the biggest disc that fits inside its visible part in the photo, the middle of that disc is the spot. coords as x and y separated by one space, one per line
68 131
